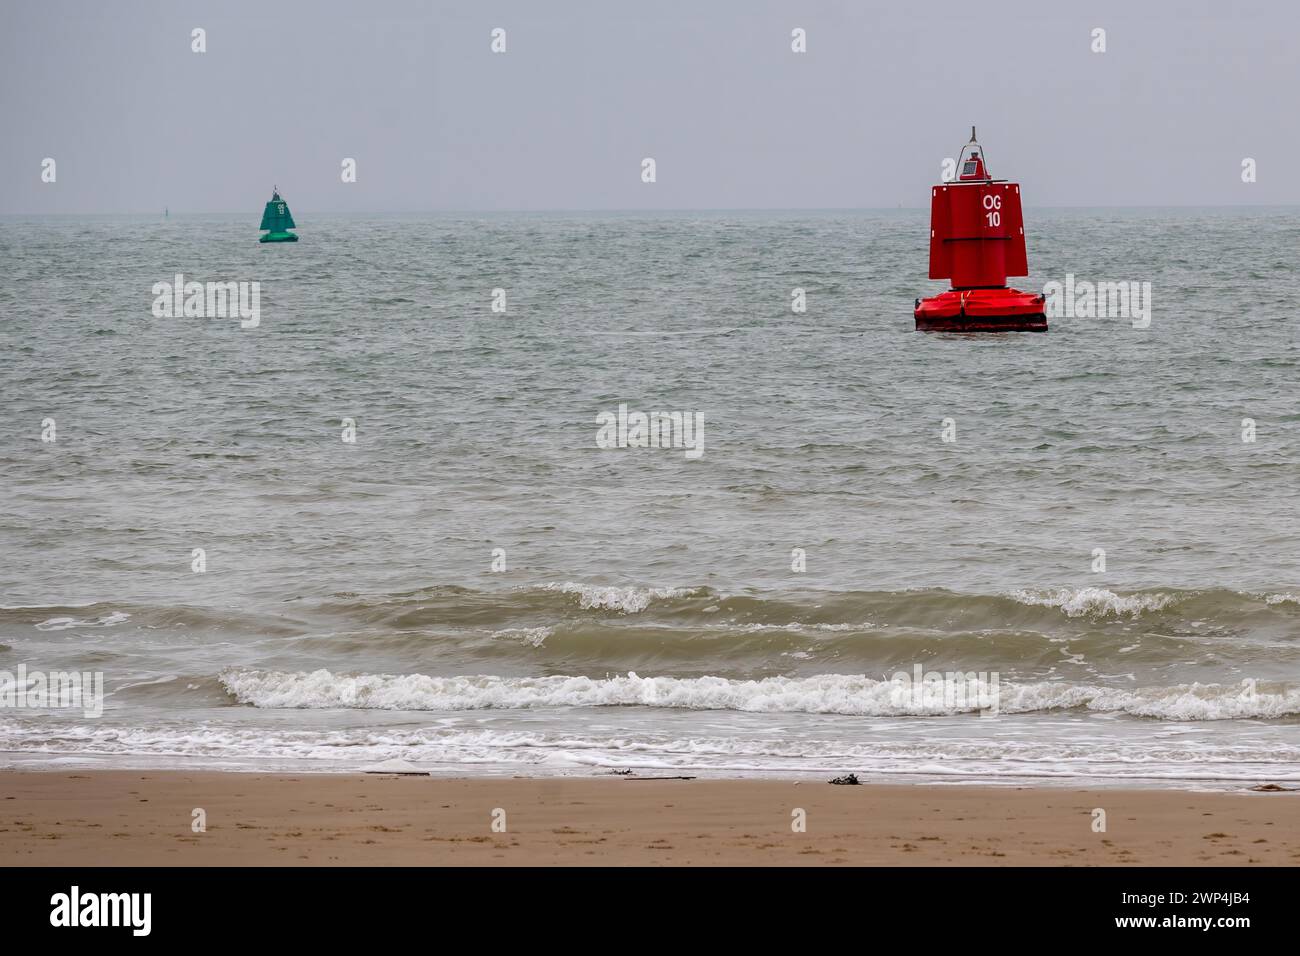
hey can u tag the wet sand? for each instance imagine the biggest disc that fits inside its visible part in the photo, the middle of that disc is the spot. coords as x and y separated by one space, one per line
96 818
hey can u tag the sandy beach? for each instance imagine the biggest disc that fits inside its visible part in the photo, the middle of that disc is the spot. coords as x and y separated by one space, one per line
148 818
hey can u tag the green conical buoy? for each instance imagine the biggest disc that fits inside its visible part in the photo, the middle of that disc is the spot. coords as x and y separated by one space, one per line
277 220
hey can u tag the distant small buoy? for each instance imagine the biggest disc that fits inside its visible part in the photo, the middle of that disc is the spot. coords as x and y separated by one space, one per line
977 239
277 220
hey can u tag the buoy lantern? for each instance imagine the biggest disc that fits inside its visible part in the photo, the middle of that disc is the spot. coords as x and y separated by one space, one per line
977 239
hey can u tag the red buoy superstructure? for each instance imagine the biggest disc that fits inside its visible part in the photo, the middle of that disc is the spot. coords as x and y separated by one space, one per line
977 239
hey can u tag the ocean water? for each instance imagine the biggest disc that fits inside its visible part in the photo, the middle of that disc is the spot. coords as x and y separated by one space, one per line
648 616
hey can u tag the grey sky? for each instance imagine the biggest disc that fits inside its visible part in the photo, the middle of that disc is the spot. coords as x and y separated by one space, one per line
711 90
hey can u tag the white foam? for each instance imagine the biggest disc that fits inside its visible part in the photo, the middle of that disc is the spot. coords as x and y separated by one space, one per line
392 765
230 743
1096 602
797 627
535 636
822 694
66 623
628 600
1282 599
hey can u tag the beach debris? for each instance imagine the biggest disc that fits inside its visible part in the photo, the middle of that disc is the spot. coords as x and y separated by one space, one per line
396 767
621 773
848 780
1273 788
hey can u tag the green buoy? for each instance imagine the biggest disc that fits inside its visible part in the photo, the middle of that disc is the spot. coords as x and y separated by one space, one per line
278 220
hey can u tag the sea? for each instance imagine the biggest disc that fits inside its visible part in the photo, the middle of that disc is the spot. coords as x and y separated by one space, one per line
382 526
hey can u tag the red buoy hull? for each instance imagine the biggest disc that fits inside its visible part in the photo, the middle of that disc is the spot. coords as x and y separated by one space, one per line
981 310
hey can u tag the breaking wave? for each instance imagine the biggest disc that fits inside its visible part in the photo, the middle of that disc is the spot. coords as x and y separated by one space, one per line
1095 601
500 609
628 600
823 694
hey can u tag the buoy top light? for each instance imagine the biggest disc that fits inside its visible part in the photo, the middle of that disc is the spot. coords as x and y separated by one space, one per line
971 162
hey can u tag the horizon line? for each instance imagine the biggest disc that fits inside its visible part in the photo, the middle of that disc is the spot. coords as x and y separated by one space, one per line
634 209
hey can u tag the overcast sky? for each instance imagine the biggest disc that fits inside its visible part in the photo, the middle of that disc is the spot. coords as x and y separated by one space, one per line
709 88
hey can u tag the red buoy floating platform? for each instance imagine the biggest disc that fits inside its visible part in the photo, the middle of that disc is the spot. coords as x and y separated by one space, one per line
977 239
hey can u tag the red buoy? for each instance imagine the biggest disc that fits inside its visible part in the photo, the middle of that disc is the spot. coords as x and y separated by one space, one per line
977 239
